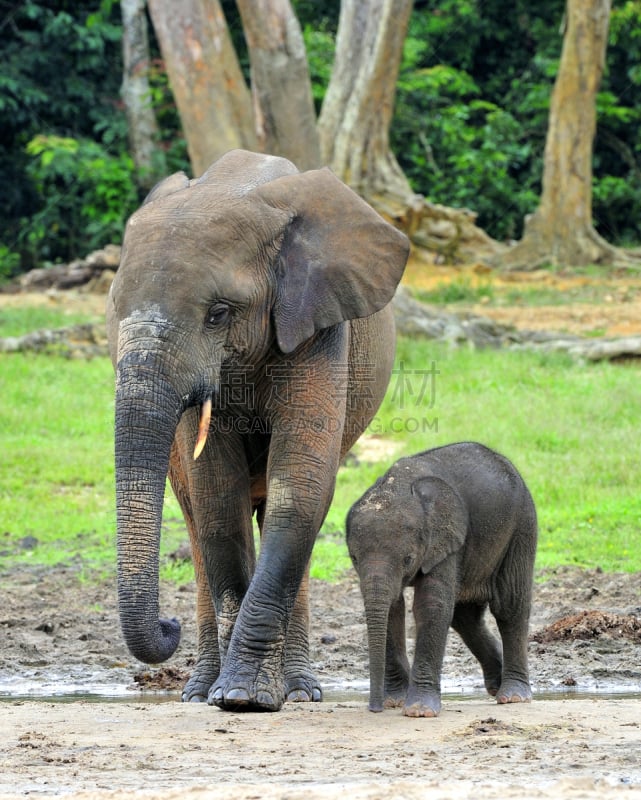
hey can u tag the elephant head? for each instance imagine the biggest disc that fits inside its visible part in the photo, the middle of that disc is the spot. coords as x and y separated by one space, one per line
400 528
250 258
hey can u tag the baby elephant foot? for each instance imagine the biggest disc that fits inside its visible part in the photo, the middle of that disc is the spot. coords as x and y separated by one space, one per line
395 688
303 688
514 691
422 704
395 698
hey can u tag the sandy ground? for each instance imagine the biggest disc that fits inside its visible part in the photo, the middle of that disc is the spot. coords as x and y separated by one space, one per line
77 724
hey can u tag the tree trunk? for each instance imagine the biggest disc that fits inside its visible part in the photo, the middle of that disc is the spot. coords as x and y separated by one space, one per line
561 231
358 107
284 116
354 131
211 94
136 95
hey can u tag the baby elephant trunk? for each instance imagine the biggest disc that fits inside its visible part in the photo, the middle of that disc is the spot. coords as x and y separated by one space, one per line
377 598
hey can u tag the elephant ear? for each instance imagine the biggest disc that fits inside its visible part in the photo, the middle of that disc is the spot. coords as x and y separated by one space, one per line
446 520
174 183
338 260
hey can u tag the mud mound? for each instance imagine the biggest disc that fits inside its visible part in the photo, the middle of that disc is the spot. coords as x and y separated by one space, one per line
591 625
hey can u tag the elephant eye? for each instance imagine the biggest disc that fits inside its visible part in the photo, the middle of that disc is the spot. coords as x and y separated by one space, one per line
218 314
407 561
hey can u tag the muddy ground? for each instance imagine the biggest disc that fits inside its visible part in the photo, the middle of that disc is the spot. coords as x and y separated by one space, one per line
579 738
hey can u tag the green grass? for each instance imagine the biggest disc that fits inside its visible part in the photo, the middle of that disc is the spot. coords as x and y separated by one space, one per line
464 291
571 429
18 321
461 290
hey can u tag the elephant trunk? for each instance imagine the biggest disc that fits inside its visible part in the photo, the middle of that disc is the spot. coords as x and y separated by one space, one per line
147 413
377 600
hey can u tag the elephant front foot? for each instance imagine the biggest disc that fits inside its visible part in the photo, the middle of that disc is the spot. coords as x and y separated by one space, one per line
196 690
514 691
242 692
422 703
303 688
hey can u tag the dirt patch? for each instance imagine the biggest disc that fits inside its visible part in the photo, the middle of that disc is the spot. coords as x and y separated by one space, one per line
591 625
60 633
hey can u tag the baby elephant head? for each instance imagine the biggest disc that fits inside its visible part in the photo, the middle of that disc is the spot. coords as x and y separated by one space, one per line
398 529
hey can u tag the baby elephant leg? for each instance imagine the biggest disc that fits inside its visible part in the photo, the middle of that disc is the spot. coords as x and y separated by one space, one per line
515 684
434 596
469 623
511 608
396 664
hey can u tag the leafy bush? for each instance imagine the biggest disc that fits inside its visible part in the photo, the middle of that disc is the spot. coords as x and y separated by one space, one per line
85 196
461 150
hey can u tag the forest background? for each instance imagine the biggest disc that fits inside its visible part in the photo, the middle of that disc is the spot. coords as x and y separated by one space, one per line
468 129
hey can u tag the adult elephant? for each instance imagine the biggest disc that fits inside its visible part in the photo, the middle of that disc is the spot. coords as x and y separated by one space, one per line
252 338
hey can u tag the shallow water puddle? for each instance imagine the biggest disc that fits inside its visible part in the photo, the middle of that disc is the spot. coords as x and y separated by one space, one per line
62 689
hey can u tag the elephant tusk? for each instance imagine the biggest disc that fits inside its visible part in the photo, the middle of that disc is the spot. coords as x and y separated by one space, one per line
203 427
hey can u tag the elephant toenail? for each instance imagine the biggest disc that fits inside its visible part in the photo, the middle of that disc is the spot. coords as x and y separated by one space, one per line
236 696
298 696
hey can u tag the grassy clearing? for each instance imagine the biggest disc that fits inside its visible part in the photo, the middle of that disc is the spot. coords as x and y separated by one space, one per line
571 429
18 321
470 290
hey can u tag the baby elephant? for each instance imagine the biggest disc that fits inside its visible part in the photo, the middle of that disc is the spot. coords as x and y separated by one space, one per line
459 525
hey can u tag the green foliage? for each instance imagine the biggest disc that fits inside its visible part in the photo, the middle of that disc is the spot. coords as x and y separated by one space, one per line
469 128
60 77
9 263
461 150
319 44
85 197
472 108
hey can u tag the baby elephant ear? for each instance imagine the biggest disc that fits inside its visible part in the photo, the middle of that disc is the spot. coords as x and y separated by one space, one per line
338 260
446 521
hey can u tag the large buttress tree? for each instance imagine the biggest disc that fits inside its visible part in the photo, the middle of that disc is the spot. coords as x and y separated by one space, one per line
208 85
354 128
284 115
561 230
357 109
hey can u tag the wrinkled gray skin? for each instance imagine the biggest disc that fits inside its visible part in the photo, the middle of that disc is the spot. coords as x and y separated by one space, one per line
266 291
459 525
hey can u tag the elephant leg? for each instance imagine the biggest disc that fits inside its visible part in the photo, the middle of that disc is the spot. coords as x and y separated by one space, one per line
253 674
207 665
218 511
434 598
397 668
301 683
469 623
298 495
511 608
